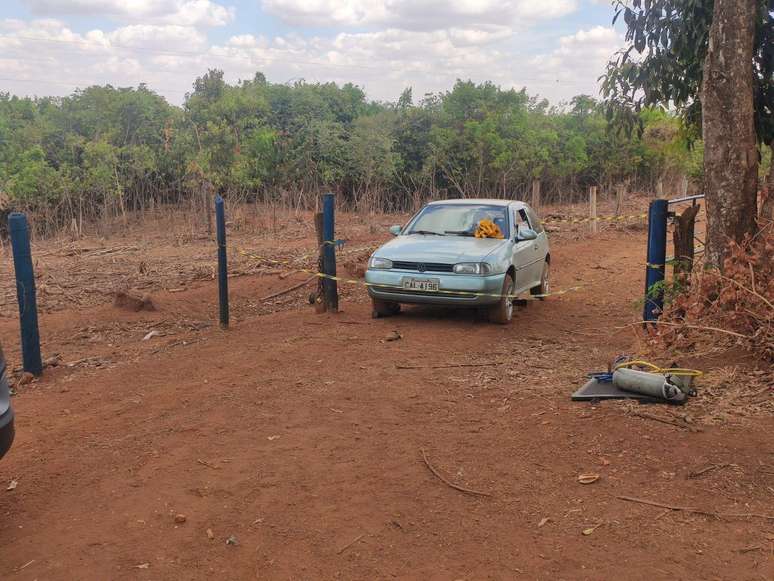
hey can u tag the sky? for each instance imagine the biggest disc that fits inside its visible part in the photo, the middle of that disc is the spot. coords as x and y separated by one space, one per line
554 48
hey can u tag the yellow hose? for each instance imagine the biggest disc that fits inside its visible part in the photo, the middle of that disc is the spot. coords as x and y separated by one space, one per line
656 369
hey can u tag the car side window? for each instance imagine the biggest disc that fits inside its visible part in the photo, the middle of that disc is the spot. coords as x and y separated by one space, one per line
526 218
519 221
535 221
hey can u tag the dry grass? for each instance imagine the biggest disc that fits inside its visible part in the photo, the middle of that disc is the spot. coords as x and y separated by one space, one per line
737 301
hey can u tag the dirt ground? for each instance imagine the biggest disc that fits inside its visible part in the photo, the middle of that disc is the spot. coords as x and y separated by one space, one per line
293 443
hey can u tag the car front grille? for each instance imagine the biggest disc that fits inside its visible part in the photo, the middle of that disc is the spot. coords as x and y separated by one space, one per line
422 266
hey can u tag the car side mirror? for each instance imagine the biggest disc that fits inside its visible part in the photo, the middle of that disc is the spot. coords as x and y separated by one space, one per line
395 230
526 234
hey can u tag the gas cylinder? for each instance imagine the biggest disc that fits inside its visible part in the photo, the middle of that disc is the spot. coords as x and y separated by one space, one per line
650 384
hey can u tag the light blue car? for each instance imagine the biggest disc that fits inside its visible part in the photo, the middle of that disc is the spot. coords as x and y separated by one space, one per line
437 259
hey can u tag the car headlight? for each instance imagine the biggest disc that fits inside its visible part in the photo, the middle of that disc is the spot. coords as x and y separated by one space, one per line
379 263
472 268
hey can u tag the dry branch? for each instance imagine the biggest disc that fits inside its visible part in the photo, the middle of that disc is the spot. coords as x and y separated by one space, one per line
696 510
288 290
700 327
349 544
697 473
446 482
655 418
448 365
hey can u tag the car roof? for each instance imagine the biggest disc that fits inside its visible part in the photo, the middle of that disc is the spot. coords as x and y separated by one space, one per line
486 201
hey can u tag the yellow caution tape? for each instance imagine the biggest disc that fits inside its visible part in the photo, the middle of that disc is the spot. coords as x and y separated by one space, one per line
386 286
597 219
290 262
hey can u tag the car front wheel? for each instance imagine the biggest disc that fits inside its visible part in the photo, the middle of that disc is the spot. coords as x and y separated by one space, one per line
545 282
502 312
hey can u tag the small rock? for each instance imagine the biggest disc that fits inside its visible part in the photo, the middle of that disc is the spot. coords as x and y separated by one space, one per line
232 540
52 361
129 302
180 518
12 485
151 335
394 336
210 534
589 478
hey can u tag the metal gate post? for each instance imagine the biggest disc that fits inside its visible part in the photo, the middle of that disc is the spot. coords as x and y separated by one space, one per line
25 292
220 221
329 254
657 238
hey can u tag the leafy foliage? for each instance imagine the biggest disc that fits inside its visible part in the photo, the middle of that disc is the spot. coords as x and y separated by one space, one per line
663 62
105 150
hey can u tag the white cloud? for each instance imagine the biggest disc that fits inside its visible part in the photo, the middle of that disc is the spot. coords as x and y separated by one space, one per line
45 57
150 37
179 12
417 14
581 56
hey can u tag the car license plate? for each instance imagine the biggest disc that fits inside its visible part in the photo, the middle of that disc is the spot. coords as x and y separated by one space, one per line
421 284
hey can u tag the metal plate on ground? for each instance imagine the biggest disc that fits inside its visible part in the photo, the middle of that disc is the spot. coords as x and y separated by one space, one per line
595 390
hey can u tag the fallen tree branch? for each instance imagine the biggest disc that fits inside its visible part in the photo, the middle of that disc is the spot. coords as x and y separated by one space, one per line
284 275
349 544
696 510
446 482
752 292
697 473
447 365
687 326
288 290
655 418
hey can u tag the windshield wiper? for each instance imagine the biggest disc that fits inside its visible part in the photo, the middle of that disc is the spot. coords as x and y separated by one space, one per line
428 232
459 232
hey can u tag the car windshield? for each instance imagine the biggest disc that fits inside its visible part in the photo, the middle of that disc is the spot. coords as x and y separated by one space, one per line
458 219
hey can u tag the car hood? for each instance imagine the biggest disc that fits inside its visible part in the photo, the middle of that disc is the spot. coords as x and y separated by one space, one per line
443 249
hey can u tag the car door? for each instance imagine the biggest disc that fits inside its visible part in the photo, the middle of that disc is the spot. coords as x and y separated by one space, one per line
540 245
527 256
524 252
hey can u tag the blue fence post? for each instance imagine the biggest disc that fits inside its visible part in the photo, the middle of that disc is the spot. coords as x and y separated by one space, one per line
25 292
330 287
654 274
220 219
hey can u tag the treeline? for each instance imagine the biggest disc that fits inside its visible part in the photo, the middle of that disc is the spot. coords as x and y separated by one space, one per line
106 151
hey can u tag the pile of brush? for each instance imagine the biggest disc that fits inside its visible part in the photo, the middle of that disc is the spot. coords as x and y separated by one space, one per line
737 304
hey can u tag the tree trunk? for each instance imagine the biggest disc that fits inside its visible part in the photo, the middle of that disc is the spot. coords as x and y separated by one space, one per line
767 204
730 154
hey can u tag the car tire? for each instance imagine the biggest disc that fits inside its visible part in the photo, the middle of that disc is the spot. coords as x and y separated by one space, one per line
384 308
545 282
502 312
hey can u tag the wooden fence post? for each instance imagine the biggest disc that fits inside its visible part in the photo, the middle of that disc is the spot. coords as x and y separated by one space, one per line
536 195
619 199
593 209
684 245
